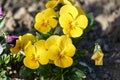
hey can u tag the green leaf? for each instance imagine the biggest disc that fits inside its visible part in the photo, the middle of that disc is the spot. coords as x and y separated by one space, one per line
8 68
1 49
78 39
80 74
2 22
1 38
7 59
38 36
2 73
85 65
1 61
90 22
26 72
42 78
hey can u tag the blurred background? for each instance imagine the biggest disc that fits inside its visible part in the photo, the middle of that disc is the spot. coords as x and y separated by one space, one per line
20 16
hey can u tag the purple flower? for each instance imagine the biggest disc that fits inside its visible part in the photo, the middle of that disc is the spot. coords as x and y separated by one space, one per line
11 40
1 13
1 49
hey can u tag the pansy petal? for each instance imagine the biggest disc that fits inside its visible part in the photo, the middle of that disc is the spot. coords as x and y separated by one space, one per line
49 13
66 31
68 2
82 21
69 50
39 16
99 62
52 40
64 40
76 32
69 9
97 55
40 44
29 50
80 10
41 52
26 38
45 14
43 57
98 58
51 4
66 45
16 48
52 22
53 52
38 26
65 20
63 62
31 63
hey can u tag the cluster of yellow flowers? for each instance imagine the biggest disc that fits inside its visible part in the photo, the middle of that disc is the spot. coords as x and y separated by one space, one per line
72 19
57 50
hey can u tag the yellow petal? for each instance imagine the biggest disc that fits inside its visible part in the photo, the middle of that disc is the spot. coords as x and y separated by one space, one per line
82 21
99 62
45 14
69 9
43 57
40 44
76 32
53 52
52 40
51 4
31 63
17 48
97 55
49 13
66 46
80 10
65 20
63 62
26 38
41 52
68 2
39 16
30 50
98 58
69 50
64 41
39 26
52 22
66 31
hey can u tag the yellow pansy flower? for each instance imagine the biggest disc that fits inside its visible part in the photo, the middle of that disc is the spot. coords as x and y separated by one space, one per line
45 20
22 42
98 55
35 55
60 50
72 20
54 3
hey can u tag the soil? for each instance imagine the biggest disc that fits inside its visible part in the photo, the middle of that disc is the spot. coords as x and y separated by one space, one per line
106 29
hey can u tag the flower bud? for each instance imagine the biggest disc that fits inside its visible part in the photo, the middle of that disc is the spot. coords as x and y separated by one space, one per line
11 40
1 13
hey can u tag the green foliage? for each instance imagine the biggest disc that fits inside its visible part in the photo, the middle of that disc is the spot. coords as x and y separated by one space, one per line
2 22
90 22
